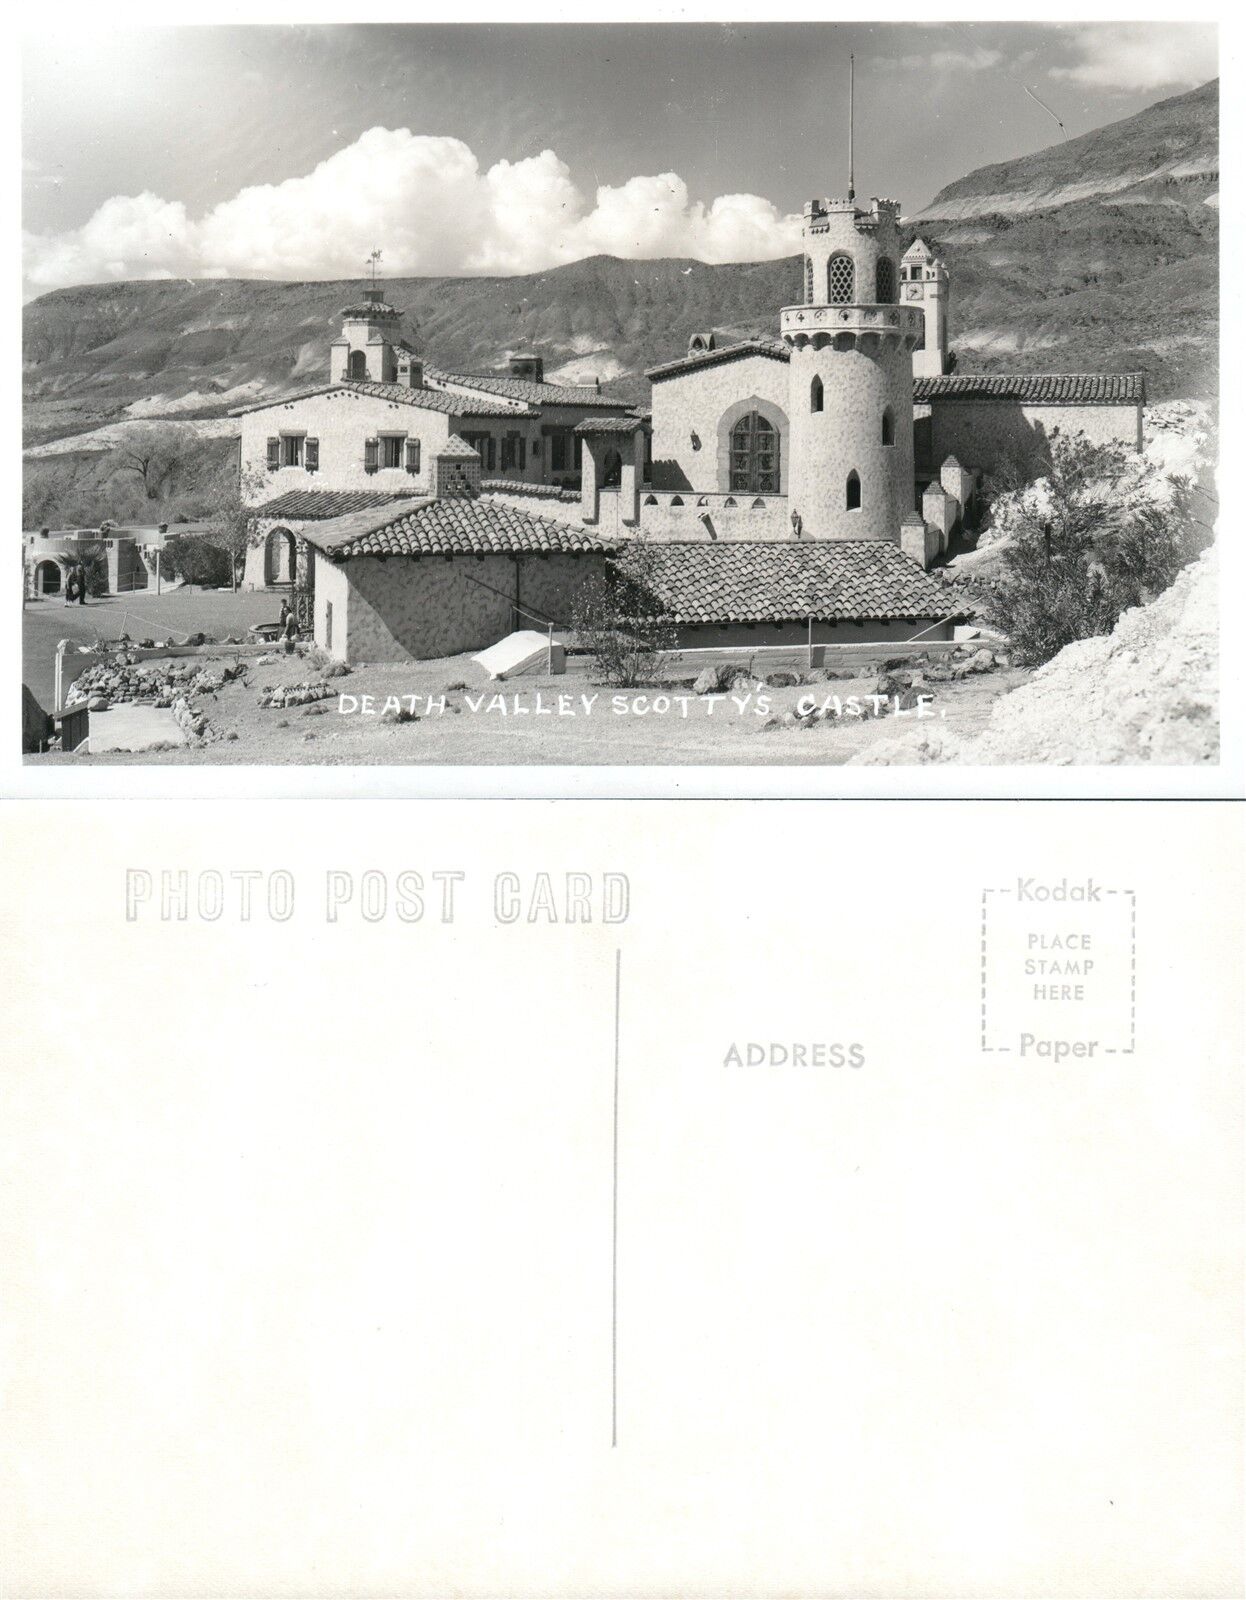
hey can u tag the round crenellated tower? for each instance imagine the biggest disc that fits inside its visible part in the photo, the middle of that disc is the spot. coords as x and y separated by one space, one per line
851 375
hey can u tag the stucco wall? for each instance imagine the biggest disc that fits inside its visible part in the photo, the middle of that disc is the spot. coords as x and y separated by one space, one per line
710 517
706 401
405 610
342 420
859 384
985 434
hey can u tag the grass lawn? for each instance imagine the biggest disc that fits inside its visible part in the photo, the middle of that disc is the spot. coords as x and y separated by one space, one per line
144 615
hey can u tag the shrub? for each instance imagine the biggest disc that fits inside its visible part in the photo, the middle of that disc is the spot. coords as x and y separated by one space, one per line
1099 535
196 560
619 620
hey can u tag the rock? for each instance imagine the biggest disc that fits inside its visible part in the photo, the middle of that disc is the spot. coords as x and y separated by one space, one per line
231 736
315 711
709 681
982 661
1003 661
147 644
98 702
336 669
782 680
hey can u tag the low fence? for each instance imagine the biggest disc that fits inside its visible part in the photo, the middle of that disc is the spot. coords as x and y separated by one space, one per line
764 659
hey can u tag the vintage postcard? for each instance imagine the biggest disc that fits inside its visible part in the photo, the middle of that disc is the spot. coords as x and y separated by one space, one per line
793 396
683 1199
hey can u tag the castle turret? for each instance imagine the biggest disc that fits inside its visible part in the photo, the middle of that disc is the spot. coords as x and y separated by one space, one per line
851 375
924 283
367 350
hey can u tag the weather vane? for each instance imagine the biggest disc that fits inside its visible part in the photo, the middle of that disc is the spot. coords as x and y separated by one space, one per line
373 261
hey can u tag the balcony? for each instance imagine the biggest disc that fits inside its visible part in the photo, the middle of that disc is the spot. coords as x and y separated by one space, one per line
850 326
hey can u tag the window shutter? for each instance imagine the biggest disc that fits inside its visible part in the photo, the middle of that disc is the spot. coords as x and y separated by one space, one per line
492 452
413 455
311 455
274 454
371 449
523 453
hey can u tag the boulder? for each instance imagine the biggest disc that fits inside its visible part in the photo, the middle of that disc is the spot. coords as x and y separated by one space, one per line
709 681
982 660
98 702
782 680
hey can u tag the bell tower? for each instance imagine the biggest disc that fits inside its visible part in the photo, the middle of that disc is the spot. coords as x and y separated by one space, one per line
924 283
367 349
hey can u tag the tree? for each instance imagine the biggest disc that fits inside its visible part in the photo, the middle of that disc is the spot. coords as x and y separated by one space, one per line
155 455
234 519
619 619
1100 533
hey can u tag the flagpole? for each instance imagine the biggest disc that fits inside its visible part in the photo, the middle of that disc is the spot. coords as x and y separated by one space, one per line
852 74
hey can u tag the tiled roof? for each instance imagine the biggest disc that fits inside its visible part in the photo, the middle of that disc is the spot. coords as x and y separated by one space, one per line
710 358
537 394
453 405
370 308
627 425
452 527
791 580
316 505
456 405
1035 388
539 491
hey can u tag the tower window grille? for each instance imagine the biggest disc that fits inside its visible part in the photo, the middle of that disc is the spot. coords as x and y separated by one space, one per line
885 281
755 455
808 281
840 278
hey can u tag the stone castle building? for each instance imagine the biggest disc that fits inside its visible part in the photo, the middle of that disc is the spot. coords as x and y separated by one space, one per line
791 488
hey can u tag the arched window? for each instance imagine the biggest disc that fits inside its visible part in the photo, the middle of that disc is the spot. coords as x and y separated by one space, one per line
840 278
358 366
889 426
755 455
852 501
808 281
885 281
815 395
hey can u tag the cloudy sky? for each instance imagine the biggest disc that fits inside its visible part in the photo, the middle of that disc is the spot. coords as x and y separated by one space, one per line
291 152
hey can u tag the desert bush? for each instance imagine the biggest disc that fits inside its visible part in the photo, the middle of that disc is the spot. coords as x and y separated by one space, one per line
618 619
196 560
1097 536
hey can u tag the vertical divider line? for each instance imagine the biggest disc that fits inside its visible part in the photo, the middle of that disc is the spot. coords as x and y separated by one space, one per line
614 1223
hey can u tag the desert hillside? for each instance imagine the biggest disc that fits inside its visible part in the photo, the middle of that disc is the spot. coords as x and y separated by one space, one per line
1098 253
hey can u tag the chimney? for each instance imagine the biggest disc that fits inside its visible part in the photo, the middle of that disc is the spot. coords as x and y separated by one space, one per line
456 471
410 370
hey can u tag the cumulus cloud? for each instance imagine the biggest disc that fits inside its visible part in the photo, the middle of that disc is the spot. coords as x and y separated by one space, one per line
1141 56
979 59
425 201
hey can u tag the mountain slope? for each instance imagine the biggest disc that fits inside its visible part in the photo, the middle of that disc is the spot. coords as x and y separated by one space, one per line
1099 253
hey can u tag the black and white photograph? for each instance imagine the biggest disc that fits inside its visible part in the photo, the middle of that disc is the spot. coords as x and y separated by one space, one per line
651 394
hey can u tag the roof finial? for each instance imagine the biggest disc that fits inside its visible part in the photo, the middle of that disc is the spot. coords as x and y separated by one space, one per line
852 74
373 262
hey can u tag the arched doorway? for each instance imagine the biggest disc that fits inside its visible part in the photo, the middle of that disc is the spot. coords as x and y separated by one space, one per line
279 559
47 578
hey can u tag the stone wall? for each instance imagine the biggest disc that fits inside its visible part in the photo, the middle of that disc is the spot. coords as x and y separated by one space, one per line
693 414
986 434
411 610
